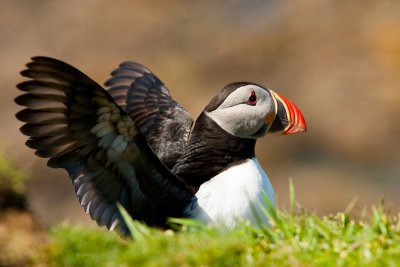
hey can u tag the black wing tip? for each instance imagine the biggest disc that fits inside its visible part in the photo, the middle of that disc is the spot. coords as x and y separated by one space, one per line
47 61
22 85
41 59
31 143
20 100
53 163
127 70
26 85
26 73
30 73
41 153
135 65
26 129
21 115
35 59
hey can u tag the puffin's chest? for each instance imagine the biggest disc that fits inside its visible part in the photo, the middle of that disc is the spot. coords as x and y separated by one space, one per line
232 195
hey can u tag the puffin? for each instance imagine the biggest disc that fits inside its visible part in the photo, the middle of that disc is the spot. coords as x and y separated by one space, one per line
130 143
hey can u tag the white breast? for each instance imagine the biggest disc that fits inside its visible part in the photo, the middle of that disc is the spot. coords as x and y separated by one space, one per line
232 195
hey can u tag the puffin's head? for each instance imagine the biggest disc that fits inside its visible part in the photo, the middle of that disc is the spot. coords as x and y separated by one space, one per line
249 110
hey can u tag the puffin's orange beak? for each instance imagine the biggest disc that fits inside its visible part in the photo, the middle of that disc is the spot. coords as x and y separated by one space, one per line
289 119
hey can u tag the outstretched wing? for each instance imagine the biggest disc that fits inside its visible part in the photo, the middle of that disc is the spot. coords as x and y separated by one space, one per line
165 124
73 121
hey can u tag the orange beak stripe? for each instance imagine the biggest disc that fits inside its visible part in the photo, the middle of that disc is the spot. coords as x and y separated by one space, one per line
296 120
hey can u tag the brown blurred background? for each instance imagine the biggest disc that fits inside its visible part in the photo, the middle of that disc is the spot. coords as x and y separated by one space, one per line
339 61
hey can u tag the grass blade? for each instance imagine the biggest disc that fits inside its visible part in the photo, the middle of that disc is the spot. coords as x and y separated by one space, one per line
137 230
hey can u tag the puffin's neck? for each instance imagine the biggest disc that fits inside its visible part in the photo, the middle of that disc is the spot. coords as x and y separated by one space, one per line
210 151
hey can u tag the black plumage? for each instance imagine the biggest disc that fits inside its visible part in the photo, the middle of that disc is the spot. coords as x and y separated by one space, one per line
161 120
75 123
210 151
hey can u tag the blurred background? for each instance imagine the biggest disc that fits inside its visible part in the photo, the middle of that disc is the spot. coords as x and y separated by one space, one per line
338 61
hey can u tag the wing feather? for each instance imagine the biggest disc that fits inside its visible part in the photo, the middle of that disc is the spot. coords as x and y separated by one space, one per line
165 124
75 123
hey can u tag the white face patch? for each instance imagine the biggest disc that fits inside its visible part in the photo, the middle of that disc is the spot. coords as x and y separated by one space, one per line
241 117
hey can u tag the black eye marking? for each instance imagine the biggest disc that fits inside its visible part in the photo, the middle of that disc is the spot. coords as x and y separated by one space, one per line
252 99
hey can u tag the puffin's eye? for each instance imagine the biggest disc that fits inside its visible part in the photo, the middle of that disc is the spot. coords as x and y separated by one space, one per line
252 99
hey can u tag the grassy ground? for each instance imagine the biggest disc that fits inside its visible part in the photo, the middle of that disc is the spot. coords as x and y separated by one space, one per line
296 238
12 184
20 234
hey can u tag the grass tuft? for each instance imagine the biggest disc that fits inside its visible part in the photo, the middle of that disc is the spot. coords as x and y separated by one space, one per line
12 184
294 238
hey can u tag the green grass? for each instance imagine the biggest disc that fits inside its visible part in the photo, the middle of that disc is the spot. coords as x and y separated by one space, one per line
295 238
12 184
